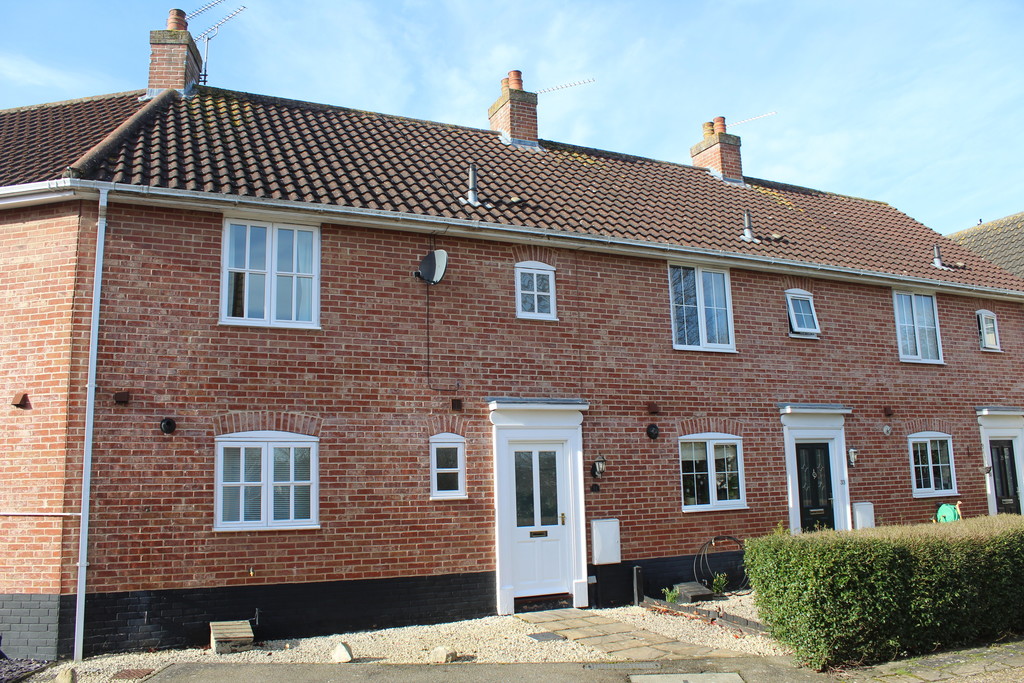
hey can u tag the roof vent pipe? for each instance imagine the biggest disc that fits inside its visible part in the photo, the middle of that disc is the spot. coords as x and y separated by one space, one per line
472 195
748 229
937 259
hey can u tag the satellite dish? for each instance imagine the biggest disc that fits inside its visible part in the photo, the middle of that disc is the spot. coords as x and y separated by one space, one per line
432 267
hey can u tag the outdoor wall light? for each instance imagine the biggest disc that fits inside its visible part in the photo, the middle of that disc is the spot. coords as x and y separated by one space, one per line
653 431
168 425
852 455
597 469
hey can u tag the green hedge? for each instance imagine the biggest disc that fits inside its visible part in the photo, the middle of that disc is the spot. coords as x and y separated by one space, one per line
859 597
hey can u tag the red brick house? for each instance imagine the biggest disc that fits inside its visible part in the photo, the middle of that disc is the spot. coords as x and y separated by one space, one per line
231 398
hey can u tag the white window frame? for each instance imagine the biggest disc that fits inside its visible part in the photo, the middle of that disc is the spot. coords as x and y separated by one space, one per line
929 438
796 329
710 440
535 268
271 274
917 300
985 318
266 440
702 310
448 440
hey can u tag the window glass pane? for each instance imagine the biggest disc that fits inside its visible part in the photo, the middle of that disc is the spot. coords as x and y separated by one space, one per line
253 502
548 488
803 314
232 464
449 481
253 464
447 457
543 303
905 324
727 480
922 476
282 503
694 461
989 338
236 246
927 332
303 507
285 251
684 300
256 296
302 463
304 299
543 281
258 248
230 504
526 302
304 252
284 297
282 464
236 295
715 310
526 282
524 488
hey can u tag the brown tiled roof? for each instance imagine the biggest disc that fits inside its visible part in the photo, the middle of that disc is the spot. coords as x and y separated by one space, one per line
236 143
1000 241
37 143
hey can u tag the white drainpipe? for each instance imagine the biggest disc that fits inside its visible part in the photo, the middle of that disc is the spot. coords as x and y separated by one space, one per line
90 412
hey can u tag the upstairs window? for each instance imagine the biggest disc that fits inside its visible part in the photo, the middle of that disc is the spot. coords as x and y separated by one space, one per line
271 275
711 471
266 480
988 331
917 328
701 309
931 464
535 291
447 466
802 320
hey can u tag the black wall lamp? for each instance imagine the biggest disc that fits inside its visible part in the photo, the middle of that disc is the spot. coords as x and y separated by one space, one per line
597 469
852 454
653 431
168 425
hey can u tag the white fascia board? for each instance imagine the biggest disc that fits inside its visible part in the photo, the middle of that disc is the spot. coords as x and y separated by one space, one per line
32 194
998 410
256 207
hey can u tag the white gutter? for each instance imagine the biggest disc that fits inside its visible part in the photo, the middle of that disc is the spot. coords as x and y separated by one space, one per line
90 413
460 227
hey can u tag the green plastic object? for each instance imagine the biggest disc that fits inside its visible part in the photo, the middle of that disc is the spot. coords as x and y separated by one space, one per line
947 513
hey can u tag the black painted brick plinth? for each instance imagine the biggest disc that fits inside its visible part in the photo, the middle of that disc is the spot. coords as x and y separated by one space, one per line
28 625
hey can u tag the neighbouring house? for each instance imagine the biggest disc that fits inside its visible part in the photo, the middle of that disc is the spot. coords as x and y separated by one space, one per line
232 398
1000 241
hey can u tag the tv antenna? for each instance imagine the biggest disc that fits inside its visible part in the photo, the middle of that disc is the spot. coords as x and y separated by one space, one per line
211 33
753 118
567 85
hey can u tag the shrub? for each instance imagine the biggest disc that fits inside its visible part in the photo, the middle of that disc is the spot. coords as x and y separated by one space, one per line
868 595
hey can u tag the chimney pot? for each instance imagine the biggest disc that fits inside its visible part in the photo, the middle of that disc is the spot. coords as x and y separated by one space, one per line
719 151
515 80
514 113
176 20
719 124
709 129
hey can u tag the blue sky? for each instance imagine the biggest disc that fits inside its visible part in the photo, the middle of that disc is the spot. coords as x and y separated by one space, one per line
917 104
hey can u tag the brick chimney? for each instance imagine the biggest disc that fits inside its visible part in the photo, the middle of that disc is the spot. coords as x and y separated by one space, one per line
514 113
174 61
719 151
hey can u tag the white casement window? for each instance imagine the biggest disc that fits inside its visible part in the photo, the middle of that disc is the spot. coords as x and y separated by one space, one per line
988 331
701 309
266 480
917 328
447 466
931 464
535 291
711 472
271 275
802 320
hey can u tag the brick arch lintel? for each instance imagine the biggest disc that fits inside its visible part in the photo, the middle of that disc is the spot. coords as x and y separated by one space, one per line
928 424
267 420
702 425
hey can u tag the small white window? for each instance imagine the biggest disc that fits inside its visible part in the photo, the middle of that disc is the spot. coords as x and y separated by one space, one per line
266 480
701 309
931 464
802 320
917 328
711 472
535 291
447 466
271 275
988 331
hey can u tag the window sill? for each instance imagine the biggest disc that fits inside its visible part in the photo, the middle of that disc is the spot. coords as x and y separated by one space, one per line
714 508
804 335
936 494
460 496
922 361
537 317
711 349
992 350
263 323
307 527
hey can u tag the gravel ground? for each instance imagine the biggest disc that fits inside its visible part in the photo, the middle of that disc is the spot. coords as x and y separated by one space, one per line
491 639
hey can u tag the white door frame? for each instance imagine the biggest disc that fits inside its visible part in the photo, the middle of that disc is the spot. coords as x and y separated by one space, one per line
517 420
817 423
1001 422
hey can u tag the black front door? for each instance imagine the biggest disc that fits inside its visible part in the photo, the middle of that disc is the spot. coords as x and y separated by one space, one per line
814 477
1004 472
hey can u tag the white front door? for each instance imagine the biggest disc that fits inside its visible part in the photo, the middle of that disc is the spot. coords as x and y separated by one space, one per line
535 473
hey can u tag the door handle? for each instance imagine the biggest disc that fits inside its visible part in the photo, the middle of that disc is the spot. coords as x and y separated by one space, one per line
563 519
